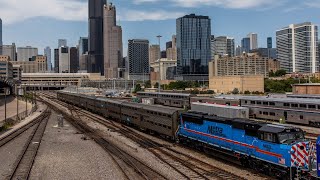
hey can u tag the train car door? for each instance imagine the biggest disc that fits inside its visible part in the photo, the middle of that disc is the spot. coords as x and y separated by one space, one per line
285 115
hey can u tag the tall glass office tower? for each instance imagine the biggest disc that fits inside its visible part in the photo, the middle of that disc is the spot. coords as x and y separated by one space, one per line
193 47
96 61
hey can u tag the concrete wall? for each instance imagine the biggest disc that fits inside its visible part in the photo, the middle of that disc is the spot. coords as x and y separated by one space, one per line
226 84
306 89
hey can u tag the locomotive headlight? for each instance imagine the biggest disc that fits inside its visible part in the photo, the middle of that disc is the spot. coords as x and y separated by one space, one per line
302 147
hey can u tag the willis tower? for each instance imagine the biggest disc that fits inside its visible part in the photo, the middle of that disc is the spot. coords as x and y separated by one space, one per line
96 59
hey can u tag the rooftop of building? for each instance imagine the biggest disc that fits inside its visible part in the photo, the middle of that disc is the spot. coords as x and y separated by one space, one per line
195 16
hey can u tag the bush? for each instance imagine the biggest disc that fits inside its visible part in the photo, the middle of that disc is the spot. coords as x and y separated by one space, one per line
247 92
235 91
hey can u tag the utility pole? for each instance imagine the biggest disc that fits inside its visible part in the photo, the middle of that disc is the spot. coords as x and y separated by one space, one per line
17 94
5 104
159 83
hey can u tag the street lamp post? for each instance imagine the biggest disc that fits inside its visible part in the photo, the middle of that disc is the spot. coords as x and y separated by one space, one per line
5 104
159 83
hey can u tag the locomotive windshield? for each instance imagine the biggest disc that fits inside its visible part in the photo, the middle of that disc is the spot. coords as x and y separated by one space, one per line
290 137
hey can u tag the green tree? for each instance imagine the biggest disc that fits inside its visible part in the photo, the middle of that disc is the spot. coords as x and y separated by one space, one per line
235 91
137 88
280 73
147 84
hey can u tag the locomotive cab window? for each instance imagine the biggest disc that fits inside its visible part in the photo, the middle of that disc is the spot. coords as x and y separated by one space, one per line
270 137
290 136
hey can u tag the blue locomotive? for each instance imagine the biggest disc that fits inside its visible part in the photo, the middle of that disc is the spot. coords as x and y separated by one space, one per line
274 149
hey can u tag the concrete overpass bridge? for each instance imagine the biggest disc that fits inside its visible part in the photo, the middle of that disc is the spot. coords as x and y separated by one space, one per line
8 84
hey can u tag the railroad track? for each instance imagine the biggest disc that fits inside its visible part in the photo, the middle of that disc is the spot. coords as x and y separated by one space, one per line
136 166
186 165
24 163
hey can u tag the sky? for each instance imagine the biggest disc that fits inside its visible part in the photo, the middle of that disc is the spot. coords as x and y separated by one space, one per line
40 23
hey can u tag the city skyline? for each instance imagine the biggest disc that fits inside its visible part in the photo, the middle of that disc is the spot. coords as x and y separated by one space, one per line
143 16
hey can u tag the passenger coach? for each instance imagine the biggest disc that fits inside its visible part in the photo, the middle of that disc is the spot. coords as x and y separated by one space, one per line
292 110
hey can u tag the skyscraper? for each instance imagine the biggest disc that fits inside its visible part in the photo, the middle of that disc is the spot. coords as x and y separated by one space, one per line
297 48
56 60
1 43
47 53
83 45
96 60
193 47
26 53
112 42
74 60
154 53
9 50
62 43
253 40
245 44
138 57
269 42
223 45
64 60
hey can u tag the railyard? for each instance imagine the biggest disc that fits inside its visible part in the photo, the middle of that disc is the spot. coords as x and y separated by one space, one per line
121 151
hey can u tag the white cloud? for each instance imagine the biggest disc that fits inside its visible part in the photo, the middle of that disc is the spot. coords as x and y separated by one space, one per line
233 4
12 11
133 15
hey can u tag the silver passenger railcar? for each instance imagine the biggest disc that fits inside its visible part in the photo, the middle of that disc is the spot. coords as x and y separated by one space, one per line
178 100
292 110
153 118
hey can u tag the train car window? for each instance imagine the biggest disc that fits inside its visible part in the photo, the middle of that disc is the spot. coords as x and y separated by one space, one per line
311 106
303 105
251 132
265 103
301 117
253 102
319 107
260 112
246 102
294 105
265 113
269 137
272 114
258 102
272 104
286 104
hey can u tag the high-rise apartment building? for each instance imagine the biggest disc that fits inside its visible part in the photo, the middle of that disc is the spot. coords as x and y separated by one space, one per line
245 45
297 48
171 52
138 57
64 60
83 45
74 60
47 53
112 42
222 46
9 50
26 53
154 53
238 50
168 45
1 43
62 43
56 61
96 60
246 64
253 40
193 47
269 42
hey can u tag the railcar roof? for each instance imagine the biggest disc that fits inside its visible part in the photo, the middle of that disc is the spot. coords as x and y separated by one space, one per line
218 105
304 96
283 100
163 93
162 109
272 128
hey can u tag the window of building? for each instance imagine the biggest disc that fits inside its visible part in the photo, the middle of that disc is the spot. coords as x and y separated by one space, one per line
303 105
311 106
272 104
